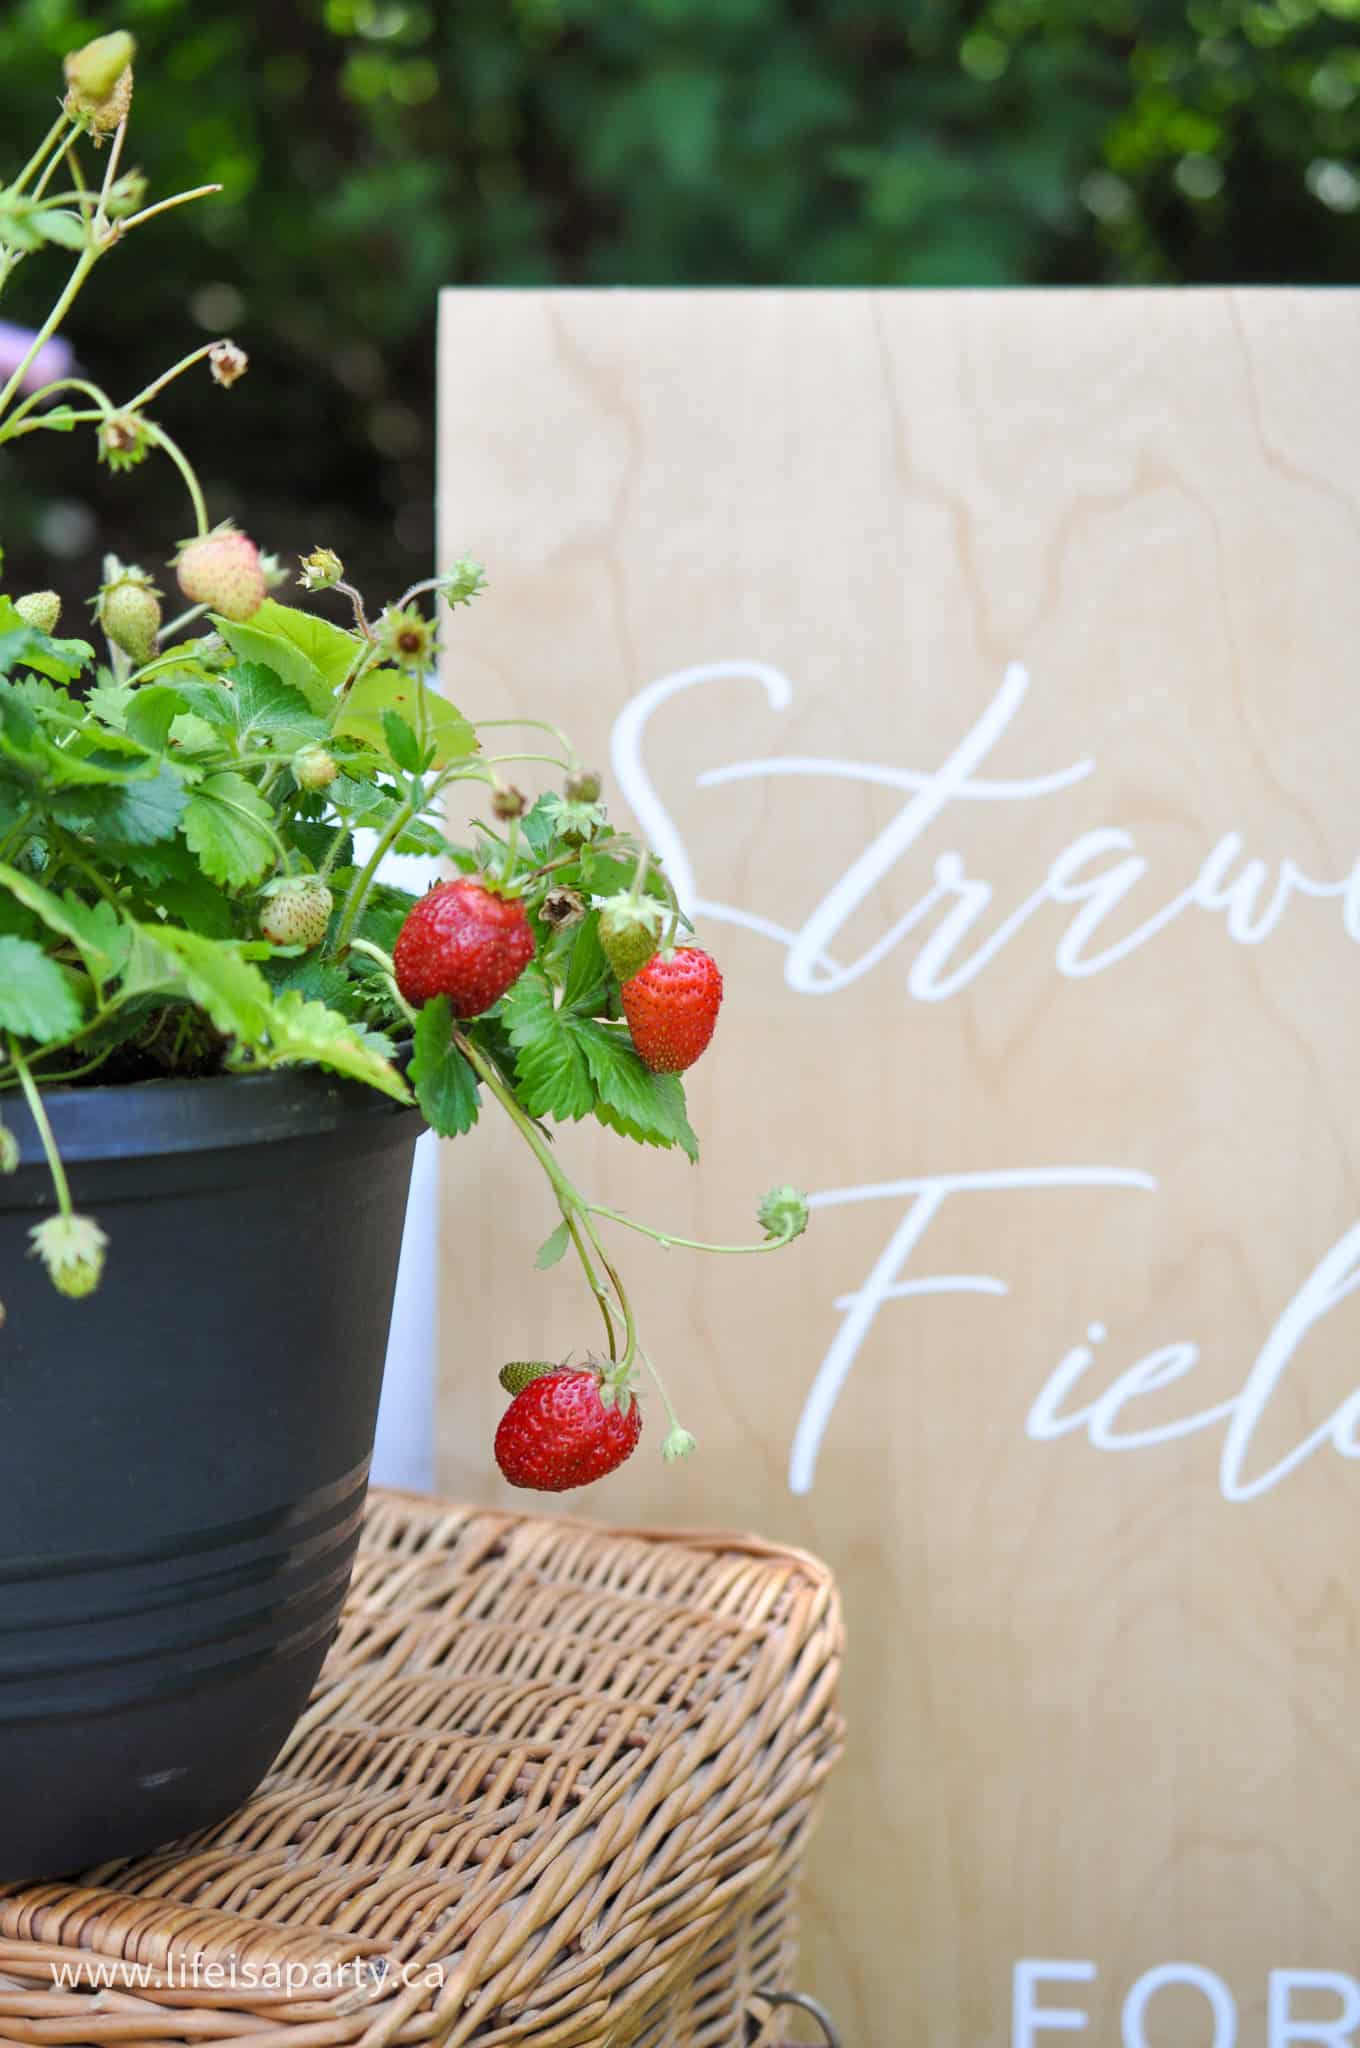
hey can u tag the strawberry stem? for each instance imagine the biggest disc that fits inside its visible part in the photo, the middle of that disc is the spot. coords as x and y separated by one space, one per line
575 1209
384 961
33 1097
692 1244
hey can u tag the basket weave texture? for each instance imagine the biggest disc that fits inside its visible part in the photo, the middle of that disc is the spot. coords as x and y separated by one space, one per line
553 1788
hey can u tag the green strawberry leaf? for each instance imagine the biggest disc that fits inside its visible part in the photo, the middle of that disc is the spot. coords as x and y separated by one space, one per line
235 994
319 981
95 929
445 1085
330 649
647 1107
402 743
552 1248
22 645
36 998
137 812
672 1092
386 689
554 1079
226 823
291 663
299 1030
588 980
111 702
537 827
271 710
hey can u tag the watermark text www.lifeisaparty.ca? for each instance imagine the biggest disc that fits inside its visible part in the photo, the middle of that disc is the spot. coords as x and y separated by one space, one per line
365 1976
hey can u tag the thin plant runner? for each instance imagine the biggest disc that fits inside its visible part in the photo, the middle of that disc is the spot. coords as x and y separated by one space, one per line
181 887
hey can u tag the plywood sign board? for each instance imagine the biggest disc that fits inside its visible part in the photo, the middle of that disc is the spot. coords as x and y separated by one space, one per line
985 668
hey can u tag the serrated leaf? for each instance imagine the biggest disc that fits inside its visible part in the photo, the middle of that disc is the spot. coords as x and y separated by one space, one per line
95 929
253 643
588 976
402 743
642 1134
650 1106
552 1247
299 1030
225 823
133 812
190 734
550 1065
536 826
36 998
386 689
110 703
61 660
269 709
318 981
235 995
330 649
444 1083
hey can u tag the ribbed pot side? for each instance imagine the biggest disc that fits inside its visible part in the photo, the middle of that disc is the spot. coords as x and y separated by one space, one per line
184 1454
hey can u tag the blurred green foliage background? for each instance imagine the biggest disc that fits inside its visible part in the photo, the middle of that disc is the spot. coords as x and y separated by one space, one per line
374 150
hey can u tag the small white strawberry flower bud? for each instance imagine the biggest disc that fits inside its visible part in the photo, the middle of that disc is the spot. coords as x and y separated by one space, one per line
783 1212
227 362
321 570
583 787
679 1443
72 1249
461 583
9 1150
40 609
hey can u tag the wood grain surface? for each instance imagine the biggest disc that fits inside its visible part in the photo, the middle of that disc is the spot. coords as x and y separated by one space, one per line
1030 620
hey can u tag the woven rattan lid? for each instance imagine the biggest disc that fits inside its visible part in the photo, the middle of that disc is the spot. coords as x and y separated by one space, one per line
547 1766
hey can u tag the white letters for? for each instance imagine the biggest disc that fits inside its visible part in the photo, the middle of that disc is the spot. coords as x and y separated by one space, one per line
1028 2018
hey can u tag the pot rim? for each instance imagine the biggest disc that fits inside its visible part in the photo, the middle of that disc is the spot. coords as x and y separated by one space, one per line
217 1112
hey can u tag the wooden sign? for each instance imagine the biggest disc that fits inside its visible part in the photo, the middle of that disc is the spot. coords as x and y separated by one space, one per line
985 668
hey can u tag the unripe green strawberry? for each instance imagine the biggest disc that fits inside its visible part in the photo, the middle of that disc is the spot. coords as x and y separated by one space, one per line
222 569
297 911
72 1249
630 930
129 612
783 1212
99 83
521 1372
95 69
40 609
314 768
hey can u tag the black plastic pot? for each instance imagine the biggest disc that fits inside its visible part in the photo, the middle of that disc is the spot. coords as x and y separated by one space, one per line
184 1454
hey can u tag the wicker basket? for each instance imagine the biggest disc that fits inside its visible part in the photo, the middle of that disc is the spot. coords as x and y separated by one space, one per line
554 1788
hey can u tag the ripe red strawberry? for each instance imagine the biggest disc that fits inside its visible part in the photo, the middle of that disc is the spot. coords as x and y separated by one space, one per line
223 570
672 1007
464 942
557 1432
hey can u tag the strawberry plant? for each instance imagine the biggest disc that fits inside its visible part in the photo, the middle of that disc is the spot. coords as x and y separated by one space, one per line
195 811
